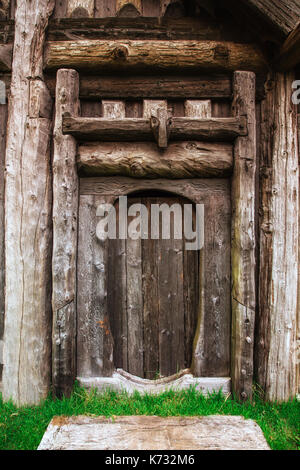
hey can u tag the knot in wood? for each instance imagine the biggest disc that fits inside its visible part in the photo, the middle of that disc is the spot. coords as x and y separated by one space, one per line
120 52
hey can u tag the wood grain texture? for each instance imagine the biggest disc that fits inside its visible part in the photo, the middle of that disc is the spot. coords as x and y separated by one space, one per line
144 160
5 57
80 8
137 129
65 219
243 260
279 242
289 54
152 55
3 123
27 342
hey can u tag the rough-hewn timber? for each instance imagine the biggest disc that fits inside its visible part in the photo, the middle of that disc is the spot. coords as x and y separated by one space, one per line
243 262
27 344
5 57
136 129
121 55
3 122
65 220
144 160
279 242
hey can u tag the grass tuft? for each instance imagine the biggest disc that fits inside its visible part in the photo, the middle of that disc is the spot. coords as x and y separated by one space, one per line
23 428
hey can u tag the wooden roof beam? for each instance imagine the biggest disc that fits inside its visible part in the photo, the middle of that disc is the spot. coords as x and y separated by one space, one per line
289 55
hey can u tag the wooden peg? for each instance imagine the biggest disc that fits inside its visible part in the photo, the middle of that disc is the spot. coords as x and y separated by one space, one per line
160 126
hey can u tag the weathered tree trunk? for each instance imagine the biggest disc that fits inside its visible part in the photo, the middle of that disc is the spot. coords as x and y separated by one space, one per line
65 212
279 239
243 239
3 122
27 344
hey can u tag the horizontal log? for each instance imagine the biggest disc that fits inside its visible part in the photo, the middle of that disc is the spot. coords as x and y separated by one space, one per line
145 160
135 129
64 29
289 55
5 57
99 55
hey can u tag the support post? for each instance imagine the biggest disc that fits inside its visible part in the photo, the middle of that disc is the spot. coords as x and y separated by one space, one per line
65 212
243 239
27 332
279 242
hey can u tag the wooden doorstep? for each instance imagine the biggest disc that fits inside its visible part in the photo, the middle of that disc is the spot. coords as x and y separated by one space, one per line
136 129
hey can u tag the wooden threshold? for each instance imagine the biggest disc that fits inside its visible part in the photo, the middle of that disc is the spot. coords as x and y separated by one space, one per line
123 381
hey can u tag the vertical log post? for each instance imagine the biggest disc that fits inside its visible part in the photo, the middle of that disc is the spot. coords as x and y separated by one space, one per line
3 122
279 242
65 211
27 332
243 239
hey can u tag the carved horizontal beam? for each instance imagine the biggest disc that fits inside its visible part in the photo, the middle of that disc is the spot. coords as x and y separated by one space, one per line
144 160
134 129
97 55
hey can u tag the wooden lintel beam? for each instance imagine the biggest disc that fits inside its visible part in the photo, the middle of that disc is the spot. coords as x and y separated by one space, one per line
289 55
126 55
136 129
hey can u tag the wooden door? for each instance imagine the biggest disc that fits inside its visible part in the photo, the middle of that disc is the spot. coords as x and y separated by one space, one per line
149 306
153 287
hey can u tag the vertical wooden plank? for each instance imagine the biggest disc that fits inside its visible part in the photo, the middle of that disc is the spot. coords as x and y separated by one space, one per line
61 7
134 301
134 109
211 353
65 214
151 8
117 298
171 305
94 339
90 108
27 344
113 109
105 8
243 239
3 122
80 8
279 242
150 299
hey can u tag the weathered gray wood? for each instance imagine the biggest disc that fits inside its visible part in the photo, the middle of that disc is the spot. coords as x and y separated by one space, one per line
123 381
152 432
94 340
3 123
27 343
152 55
134 298
65 215
279 243
137 129
243 239
144 160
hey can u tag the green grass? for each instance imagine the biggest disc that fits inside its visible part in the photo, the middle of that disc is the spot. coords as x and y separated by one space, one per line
23 428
